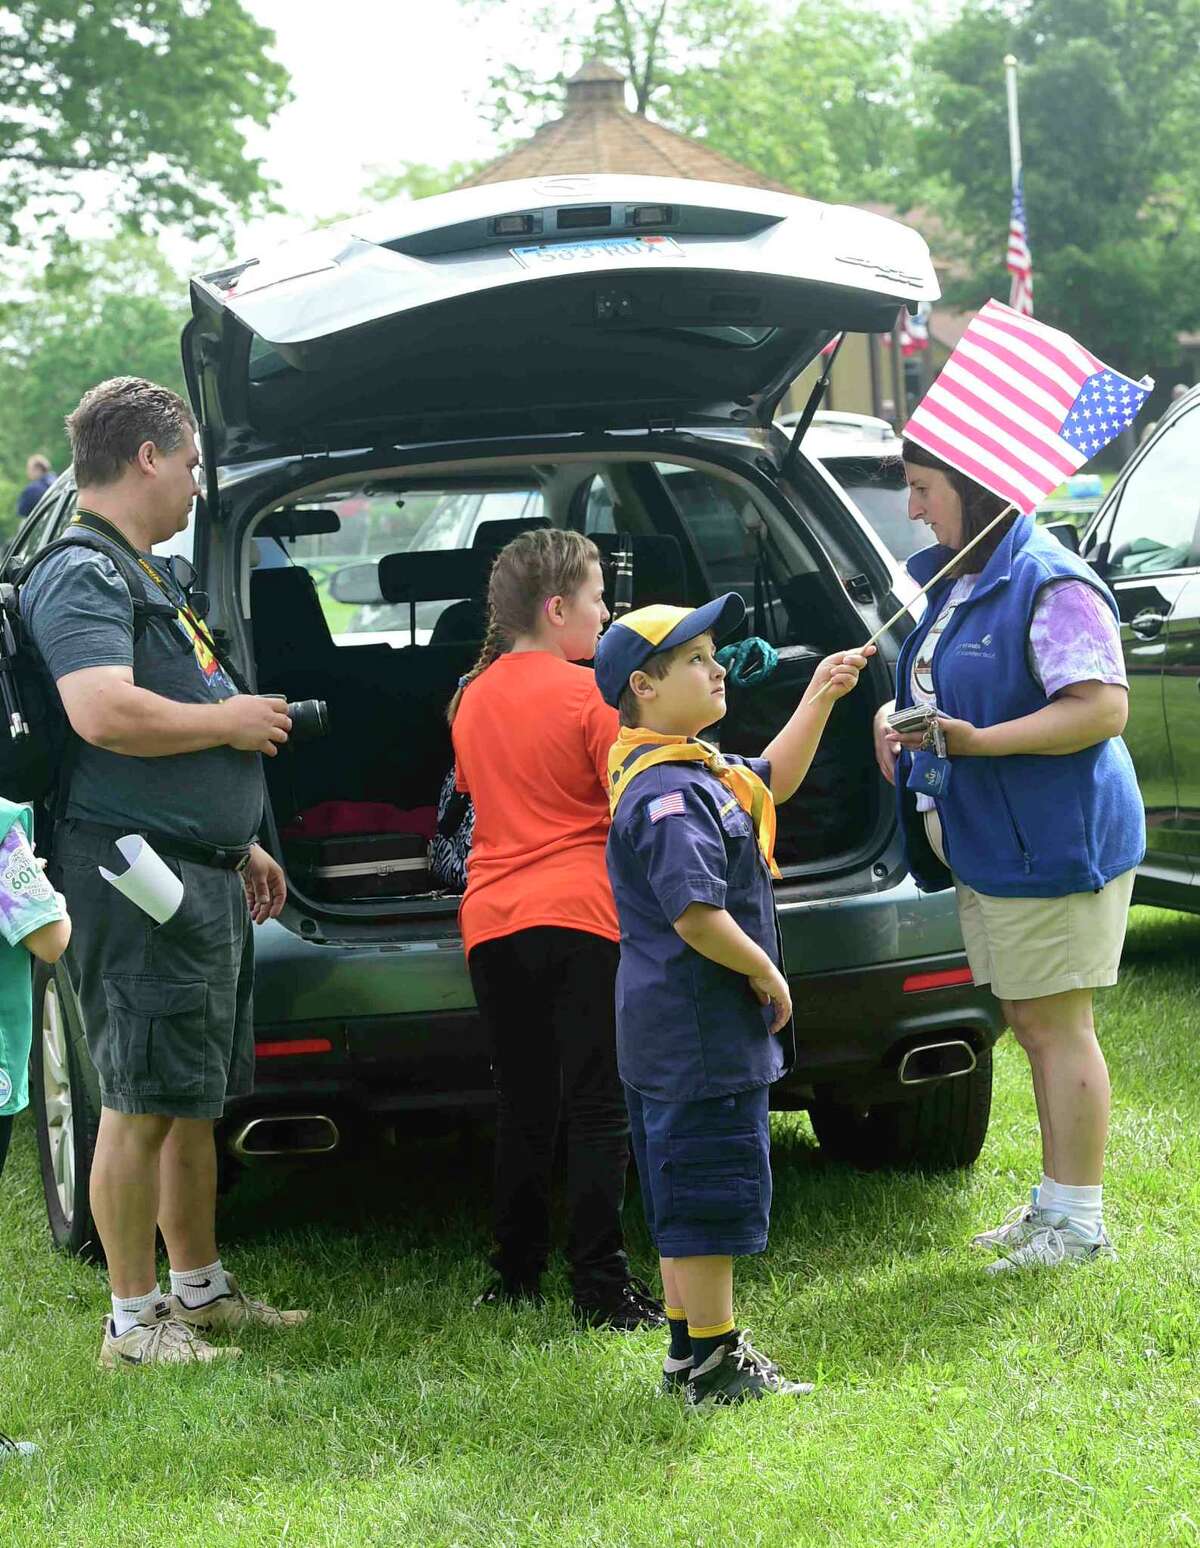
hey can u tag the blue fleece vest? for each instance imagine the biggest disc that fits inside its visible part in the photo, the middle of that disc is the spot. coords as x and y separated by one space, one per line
1030 825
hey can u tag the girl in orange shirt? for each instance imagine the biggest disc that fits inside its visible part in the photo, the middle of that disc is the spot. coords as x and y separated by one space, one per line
531 738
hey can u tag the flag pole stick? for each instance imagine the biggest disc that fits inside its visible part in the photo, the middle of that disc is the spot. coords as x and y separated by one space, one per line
1014 122
928 586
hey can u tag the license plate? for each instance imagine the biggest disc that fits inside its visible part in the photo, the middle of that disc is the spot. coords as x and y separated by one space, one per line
561 255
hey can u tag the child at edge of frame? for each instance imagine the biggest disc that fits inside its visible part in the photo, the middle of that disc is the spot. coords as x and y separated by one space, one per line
704 1014
33 916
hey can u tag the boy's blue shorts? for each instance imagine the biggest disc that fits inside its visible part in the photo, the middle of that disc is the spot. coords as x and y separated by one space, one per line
705 1171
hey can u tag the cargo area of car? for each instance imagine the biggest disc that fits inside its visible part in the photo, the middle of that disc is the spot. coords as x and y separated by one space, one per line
369 594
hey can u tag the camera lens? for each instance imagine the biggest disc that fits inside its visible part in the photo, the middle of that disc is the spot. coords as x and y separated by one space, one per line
310 719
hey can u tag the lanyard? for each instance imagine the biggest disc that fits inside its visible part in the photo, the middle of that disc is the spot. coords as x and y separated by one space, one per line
93 522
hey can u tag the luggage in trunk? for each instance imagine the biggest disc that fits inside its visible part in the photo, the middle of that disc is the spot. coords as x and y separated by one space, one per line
367 865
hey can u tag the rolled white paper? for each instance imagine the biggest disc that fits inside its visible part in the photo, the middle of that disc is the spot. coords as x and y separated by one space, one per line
149 882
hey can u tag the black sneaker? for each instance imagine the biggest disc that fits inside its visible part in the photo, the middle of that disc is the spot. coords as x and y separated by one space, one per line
676 1374
510 1292
623 1307
736 1372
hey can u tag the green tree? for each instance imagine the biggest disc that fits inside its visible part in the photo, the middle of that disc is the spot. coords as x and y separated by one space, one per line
111 308
1110 100
820 102
154 93
817 98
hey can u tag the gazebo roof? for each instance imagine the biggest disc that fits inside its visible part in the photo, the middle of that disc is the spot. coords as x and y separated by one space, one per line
598 133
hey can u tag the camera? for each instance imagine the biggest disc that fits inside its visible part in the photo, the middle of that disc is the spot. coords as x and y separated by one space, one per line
309 717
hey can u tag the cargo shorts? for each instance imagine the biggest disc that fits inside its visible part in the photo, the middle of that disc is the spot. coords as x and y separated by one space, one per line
167 1009
705 1172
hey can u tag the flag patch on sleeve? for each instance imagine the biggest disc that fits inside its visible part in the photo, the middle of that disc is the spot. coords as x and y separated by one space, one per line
666 806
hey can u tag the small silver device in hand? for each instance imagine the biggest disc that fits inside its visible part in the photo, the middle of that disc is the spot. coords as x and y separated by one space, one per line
922 718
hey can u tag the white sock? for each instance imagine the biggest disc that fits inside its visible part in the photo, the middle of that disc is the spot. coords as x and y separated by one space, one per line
125 1309
195 1287
1082 1207
1038 1191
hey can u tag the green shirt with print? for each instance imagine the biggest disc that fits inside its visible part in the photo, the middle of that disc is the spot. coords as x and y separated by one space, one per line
27 902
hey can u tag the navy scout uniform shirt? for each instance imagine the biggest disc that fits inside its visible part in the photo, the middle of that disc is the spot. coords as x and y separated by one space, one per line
687 1028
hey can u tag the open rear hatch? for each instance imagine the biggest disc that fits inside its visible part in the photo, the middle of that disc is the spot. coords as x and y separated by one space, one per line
554 304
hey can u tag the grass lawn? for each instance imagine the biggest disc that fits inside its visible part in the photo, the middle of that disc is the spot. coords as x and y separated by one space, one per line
951 1408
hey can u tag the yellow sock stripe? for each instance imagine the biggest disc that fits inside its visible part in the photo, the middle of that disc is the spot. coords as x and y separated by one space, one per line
675 1313
714 1332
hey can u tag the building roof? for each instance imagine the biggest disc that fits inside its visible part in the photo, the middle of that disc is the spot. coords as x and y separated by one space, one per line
598 133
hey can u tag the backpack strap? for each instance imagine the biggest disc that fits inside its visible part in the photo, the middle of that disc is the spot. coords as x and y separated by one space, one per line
145 607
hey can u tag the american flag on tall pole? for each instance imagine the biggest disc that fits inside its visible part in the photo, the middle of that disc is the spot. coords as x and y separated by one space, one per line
1018 260
1019 406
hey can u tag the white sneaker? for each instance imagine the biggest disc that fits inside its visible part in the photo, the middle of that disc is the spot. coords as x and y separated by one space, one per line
1051 1246
156 1338
233 1310
11 1448
1014 1231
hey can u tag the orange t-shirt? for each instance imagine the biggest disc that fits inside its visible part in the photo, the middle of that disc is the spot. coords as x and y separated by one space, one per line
531 741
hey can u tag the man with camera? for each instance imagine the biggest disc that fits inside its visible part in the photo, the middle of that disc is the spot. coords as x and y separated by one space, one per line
163 745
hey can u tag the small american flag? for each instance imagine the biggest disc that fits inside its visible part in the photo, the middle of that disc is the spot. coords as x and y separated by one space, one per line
1019 260
666 806
1019 406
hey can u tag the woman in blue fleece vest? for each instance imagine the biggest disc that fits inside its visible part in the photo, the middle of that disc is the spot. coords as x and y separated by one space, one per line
1034 817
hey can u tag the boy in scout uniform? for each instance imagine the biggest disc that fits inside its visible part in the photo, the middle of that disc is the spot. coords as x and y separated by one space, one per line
703 1006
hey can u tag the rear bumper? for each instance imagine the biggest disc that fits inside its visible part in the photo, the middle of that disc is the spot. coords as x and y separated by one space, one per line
367 1032
854 1028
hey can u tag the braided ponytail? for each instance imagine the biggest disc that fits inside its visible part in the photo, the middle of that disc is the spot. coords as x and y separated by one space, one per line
545 562
493 645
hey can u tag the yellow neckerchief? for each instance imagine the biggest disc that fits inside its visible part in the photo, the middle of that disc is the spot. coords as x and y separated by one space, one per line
191 623
625 762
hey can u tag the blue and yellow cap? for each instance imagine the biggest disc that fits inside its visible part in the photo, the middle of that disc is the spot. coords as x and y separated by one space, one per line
631 640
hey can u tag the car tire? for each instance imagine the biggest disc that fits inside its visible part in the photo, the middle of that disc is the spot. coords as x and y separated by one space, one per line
65 1098
939 1130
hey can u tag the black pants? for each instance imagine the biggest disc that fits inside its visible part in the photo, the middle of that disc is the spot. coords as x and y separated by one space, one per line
546 997
6 1124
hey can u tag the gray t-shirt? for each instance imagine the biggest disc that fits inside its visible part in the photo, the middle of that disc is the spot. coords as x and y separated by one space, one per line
78 612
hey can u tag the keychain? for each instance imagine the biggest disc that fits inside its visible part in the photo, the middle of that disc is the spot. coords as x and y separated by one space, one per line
930 773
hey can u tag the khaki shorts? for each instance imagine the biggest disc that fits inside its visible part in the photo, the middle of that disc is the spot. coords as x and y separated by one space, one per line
1025 948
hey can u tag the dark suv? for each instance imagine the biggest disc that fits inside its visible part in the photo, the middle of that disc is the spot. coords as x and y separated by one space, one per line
605 354
1145 542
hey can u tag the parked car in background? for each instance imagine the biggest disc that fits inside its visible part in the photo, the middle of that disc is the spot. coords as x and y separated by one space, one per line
1077 501
1145 542
606 359
863 455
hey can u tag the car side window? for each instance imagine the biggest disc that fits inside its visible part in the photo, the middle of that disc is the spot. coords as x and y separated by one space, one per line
717 524
1157 522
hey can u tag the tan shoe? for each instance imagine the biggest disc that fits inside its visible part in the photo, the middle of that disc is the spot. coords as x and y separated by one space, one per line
156 1338
235 1310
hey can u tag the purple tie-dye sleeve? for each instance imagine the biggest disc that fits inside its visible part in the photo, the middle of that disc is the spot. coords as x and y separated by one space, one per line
1074 638
27 900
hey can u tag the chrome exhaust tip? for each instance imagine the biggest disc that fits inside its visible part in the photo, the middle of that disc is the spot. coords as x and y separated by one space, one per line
936 1061
286 1134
